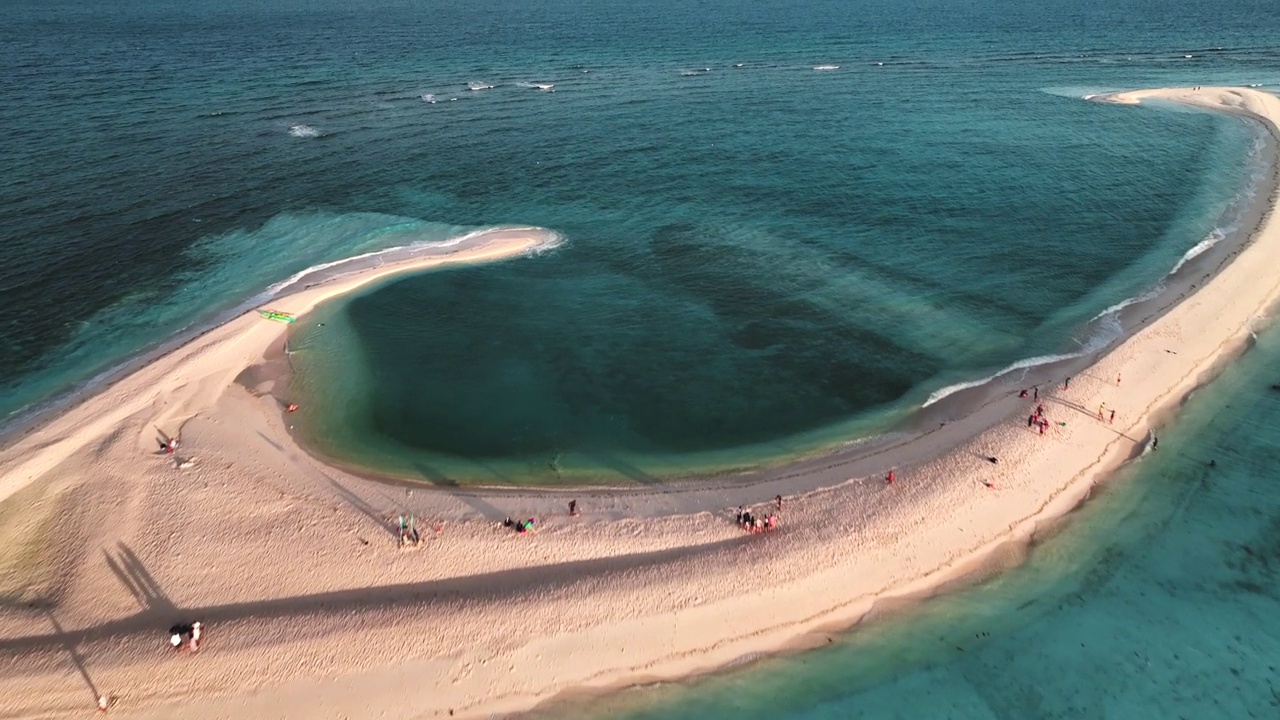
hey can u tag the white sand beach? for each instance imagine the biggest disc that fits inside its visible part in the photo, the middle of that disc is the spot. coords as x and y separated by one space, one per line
312 610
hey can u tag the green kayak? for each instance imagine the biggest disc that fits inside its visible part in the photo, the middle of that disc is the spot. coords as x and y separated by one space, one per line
274 315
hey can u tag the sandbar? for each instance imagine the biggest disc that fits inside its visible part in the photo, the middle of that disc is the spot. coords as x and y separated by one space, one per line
314 610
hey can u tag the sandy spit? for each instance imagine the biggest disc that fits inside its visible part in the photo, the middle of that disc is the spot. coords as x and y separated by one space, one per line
313 610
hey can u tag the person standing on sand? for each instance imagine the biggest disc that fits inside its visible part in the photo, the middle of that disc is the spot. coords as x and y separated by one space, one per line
573 508
1117 378
888 479
1066 383
1113 417
1035 393
1101 408
779 500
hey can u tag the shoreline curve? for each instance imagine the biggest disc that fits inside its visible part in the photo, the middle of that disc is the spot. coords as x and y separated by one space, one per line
244 334
641 587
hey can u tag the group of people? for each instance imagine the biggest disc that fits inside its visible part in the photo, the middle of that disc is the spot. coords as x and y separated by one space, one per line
408 527
521 526
188 634
754 523
1038 418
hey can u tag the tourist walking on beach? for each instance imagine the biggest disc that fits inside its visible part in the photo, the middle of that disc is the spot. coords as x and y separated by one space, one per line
1066 383
1101 409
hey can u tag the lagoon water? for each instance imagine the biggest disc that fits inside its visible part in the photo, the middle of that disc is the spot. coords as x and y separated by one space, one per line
757 261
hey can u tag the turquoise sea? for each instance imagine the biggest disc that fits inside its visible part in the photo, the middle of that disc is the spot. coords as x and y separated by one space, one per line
759 258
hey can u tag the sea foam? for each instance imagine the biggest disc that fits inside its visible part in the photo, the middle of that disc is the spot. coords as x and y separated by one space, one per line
554 240
1107 331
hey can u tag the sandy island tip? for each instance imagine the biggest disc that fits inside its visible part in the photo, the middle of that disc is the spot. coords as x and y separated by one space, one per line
310 607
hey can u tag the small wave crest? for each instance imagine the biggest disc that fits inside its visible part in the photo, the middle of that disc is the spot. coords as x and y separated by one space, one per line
1115 309
1106 331
1214 237
1233 216
303 131
536 86
1023 364
552 240
479 86
826 67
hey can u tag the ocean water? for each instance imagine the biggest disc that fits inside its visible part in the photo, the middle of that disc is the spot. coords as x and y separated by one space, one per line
1159 598
767 259
759 259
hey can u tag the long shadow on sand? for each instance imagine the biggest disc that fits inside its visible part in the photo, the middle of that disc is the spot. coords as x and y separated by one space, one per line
1091 414
158 613
361 505
135 577
435 477
62 637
